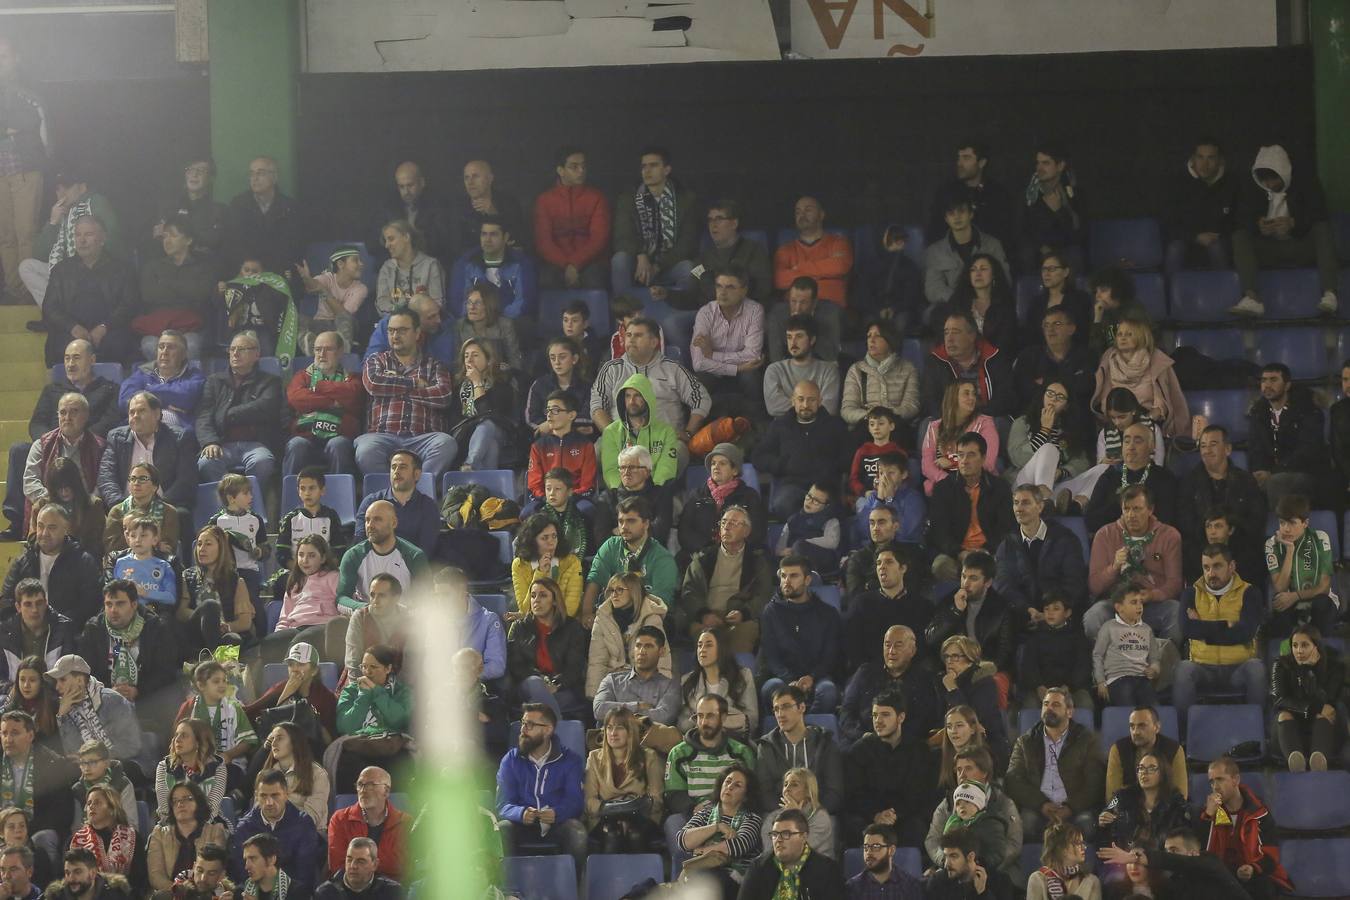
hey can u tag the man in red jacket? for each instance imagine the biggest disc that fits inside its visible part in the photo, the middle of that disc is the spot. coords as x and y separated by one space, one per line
372 816
571 228
326 403
1242 832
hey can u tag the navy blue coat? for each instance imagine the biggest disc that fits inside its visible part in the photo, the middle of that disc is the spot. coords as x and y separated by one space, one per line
1061 568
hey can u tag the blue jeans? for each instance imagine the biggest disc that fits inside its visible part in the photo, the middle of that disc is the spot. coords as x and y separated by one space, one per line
436 448
1192 679
250 457
824 696
1132 691
1163 616
336 454
485 446
622 265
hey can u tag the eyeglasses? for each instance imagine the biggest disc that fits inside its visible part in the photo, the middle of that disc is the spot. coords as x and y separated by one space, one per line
370 785
631 468
818 501
401 329
777 836
1146 770
875 848
528 726
139 479
1056 395
555 411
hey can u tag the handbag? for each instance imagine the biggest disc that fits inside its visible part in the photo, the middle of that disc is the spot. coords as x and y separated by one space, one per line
626 806
297 712
377 745
713 859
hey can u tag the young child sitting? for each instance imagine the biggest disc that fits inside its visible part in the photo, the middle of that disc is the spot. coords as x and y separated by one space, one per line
341 294
216 705
310 599
1125 658
246 529
97 767
562 373
155 579
143 501
968 811
1300 560
564 448
813 531
570 514
880 426
1056 652
310 517
892 489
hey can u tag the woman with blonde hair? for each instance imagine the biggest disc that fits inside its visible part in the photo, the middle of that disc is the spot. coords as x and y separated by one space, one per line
106 832
627 607
968 680
959 416
624 787
1061 875
1135 363
408 272
801 791
192 757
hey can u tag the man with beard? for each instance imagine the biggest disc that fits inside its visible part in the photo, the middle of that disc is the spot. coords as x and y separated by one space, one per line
801 364
881 878
800 639
631 550
206 879
539 786
1285 443
639 424
963 876
1223 615
898 670
83 880
1056 773
889 775
1145 739
802 300
694 763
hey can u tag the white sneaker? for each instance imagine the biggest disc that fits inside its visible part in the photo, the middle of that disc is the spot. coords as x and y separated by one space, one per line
1328 304
1298 762
1248 306
1317 762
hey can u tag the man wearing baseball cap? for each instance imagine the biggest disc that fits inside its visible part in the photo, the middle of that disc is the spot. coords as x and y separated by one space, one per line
90 712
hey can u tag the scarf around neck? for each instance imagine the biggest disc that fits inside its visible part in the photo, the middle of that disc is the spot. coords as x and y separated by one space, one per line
657 218
321 424
790 877
279 890
18 794
1054 883
1128 370
84 715
720 492
121 661
154 511
64 246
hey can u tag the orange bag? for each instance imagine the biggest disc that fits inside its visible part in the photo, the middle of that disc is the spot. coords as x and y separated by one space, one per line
725 430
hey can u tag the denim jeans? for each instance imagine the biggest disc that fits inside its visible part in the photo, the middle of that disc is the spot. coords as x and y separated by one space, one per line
485 446
437 449
622 266
337 455
250 457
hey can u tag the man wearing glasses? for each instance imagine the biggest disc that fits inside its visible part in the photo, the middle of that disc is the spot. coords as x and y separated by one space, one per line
792 870
724 247
1060 357
880 878
635 480
371 816
539 786
238 416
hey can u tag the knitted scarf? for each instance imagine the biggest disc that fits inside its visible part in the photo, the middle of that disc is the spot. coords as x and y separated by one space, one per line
224 720
658 218
1054 883
955 821
84 715
121 661
720 492
1136 549
467 402
116 856
154 511
64 245
320 424
279 890
790 877
21 794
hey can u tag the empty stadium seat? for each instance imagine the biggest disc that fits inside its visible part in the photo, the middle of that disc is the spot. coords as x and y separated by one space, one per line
1211 731
747 661
110 370
853 862
1311 801
1225 406
552 303
1129 243
501 482
143 820
1204 296
1116 723
271 365
1078 526
1289 293
1216 343
1302 349
828 721
1318 867
379 481
909 859
678 330
1151 294
1031 858
207 502
610 875
494 602
1025 289
542 877
339 493
915 351
830 594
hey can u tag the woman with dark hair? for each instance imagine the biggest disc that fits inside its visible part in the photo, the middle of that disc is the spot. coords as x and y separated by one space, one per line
1047 445
986 294
215 601
142 502
959 416
716 671
408 271
1142 813
546 653
377 704
968 680
725 829
619 770
310 602
487 401
173 845
1112 299
192 757
542 549
32 693
88 517
881 378
1058 291
1306 684
483 321
288 749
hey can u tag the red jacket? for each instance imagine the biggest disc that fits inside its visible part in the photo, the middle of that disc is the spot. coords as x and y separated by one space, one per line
1249 841
348 395
573 452
348 823
571 225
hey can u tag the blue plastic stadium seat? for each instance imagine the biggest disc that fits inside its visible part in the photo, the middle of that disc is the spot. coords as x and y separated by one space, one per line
207 502
610 875
1289 293
110 370
552 303
678 330
1025 290
504 555
1302 349
1116 723
542 877
1318 867
1031 858
908 859
1151 294
1226 407
272 611
1211 731
1131 243
830 594
915 351
379 481
494 602
143 820
747 661
501 482
339 493
1027 719
1311 801
1216 343
1079 528
853 862
1204 296
828 721
1340 229
271 365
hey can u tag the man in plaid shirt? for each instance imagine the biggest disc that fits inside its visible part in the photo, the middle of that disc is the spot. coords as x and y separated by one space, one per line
410 406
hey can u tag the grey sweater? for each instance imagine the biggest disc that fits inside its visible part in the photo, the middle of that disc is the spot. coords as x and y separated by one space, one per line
1123 650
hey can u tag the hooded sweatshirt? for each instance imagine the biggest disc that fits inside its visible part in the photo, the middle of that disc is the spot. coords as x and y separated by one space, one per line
657 436
672 385
1302 199
555 783
816 751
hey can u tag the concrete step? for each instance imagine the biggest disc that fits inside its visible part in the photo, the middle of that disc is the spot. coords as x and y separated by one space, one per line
21 345
29 376
14 319
12 431
17 404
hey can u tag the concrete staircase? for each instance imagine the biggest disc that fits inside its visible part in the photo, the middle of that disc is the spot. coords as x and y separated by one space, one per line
22 376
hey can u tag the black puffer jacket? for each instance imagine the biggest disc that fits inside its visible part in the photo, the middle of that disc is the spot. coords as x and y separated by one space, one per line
567 647
1304 690
1133 826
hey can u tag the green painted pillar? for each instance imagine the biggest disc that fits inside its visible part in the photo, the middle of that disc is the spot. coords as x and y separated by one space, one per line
255 61
1330 33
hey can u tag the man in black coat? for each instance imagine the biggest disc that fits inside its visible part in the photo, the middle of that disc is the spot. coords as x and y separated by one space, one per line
873 612
92 296
359 879
262 223
36 626
70 575
1202 211
1039 557
32 772
1216 485
901 669
993 626
1136 466
962 876
1058 358
1285 444
889 776
238 421
818 875
803 446
134 652
420 205
173 452
951 534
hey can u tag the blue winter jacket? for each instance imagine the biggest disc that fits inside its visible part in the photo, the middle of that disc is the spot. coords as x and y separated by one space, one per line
483 632
183 392
556 784
302 852
519 282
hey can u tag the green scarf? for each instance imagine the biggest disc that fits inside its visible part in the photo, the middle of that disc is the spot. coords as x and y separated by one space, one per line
955 821
288 330
20 795
1136 550
121 661
156 511
279 890
321 424
790 877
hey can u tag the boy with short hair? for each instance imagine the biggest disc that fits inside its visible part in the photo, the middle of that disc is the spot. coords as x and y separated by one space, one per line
341 293
565 510
97 767
1125 658
1300 562
576 326
310 517
246 529
216 704
1056 653
155 580
813 531
880 428
563 448
892 489
1220 526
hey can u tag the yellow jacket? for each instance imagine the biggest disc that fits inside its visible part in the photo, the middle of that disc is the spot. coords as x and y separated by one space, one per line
1225 619
569 579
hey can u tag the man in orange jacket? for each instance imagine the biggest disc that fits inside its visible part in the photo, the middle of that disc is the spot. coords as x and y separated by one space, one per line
828 258
571 228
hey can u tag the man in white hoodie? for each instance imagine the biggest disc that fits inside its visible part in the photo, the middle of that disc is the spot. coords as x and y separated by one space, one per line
1282 223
